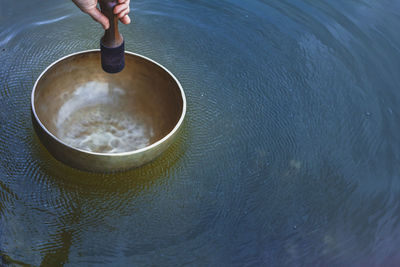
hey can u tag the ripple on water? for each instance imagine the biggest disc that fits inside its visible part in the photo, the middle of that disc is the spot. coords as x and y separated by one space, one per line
287 133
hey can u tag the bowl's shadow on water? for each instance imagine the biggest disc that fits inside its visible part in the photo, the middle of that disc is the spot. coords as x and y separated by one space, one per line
113 194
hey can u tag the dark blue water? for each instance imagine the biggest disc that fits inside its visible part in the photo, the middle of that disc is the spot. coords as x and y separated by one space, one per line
290 154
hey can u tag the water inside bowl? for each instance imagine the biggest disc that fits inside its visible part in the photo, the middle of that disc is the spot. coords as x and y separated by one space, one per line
94 119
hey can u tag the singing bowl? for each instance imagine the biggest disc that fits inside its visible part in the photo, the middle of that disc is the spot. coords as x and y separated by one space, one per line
101 122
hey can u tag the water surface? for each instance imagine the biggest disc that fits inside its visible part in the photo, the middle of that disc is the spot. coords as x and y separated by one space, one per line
290 154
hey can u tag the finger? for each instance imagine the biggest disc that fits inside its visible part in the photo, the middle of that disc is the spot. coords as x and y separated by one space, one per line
119 8
126 19
99 17
124 1
123 13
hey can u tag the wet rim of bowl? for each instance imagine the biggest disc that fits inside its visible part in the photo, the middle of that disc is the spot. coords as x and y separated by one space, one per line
175 129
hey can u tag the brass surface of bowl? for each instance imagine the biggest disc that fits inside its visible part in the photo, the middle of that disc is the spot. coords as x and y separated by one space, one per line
101 122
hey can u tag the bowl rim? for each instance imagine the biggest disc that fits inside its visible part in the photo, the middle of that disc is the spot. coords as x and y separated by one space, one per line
126 153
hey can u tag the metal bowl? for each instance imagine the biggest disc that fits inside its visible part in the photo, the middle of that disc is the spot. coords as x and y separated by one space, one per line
101 122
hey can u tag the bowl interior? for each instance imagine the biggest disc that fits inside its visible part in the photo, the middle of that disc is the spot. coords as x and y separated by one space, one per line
86 108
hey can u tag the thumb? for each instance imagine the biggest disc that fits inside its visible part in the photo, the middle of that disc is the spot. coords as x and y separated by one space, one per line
99 17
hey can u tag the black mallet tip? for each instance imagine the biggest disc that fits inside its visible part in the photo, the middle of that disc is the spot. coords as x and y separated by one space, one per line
112 58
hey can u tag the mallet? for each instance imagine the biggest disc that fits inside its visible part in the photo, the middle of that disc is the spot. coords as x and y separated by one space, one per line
112 44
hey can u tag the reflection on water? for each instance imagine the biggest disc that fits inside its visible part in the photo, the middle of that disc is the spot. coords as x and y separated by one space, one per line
289 156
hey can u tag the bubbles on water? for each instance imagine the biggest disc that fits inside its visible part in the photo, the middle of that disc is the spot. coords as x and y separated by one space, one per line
94 119
101 129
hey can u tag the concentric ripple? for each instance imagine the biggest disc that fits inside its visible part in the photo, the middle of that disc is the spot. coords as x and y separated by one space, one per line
289 154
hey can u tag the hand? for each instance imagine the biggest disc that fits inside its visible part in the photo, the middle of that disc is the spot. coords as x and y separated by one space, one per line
90 7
